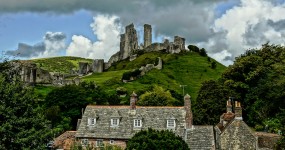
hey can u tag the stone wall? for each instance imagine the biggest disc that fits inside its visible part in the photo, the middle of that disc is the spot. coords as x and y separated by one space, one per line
98 65
147 35
84 68
238 136
129 41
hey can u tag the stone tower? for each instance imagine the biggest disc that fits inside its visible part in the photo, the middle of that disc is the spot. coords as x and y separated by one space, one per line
98 65
147 35
180 42
129 41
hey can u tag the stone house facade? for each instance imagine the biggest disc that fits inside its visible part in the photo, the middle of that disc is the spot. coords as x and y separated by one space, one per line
115 125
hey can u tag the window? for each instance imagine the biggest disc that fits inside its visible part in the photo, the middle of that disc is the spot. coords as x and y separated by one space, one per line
112 142
171 123
84 142
137 123
91 121
99 143
115 122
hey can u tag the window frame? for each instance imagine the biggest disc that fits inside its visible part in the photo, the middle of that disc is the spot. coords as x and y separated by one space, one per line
137 123
117 122
169 123
84 142
91 121
99 143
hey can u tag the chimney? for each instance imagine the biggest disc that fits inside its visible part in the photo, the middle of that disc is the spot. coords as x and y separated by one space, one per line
189 115
133 100
238 111
229 106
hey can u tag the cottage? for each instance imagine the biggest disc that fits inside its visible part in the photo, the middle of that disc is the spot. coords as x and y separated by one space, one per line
116 124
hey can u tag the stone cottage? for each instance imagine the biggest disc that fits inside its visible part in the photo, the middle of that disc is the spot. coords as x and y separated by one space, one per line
116 124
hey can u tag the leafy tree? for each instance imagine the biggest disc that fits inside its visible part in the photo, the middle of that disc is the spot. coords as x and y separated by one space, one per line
68 102
203 52
157 97
257 80
193 48
213 65
210 103
22 122
156 140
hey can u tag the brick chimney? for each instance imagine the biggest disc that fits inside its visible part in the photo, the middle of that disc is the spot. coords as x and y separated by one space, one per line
238 111
189 115
229 106
133 101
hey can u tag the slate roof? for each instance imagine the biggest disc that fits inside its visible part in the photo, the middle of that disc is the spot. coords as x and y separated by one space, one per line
152 117
200 138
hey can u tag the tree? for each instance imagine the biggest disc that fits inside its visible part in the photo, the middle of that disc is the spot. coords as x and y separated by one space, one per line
193 48
210 103
203 52
157 97
156 140
22 122
68 101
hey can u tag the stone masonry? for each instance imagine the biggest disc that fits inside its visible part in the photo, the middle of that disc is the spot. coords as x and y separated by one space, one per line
147 35
129 41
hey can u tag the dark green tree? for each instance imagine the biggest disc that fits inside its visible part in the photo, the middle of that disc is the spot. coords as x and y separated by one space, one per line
157 97
156 140
22 122
193 48
68 101
203 52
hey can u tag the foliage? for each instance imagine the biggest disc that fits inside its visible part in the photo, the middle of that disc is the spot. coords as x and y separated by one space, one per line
22 122
68 102
203 52
157 97
213 65
257 80
156 140
211 103
60 64
193 48
127 75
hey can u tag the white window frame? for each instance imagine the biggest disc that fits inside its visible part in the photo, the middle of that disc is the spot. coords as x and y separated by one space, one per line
137 123
99 143
112 141
84 142
171 123
115 122
91 122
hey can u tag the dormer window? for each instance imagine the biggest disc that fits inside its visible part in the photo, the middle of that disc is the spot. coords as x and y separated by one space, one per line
137 123
171 123
115 122
91 121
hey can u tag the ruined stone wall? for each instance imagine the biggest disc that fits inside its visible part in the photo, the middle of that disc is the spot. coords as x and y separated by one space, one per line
147 35
84 68
180 42
98 65
129 41
238 136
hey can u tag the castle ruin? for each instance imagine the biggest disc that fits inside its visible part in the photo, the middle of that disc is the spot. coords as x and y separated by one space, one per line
129 45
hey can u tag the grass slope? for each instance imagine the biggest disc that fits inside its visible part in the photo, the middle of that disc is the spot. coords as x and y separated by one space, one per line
62 64
189 69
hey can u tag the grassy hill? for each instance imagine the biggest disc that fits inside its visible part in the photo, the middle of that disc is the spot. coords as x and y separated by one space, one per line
188 69
60 64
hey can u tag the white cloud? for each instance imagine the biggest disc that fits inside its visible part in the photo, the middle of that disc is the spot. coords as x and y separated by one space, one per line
107 30
247 25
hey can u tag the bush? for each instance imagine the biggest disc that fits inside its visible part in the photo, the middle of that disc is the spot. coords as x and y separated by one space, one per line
193 48
156 140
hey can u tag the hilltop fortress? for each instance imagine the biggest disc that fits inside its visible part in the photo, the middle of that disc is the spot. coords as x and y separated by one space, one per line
129 46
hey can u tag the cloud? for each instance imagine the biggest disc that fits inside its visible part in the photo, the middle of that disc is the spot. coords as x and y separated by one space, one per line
51 46
247 25
107 30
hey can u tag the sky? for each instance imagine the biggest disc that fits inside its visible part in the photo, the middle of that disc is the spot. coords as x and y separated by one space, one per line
91 28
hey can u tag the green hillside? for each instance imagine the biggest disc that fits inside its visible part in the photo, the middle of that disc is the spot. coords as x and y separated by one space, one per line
62 64
188 69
